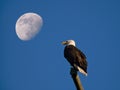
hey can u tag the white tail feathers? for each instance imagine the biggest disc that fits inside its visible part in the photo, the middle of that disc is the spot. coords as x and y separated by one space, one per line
82 71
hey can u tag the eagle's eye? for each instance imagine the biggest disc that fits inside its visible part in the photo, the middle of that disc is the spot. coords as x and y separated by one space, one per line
66 41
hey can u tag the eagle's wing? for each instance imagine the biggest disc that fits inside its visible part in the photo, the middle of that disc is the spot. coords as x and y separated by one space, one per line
81 60
76 58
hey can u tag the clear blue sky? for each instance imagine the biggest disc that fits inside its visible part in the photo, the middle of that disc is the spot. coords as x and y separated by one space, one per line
39 64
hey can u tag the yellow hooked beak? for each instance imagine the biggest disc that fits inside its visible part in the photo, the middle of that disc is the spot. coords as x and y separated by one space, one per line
64 42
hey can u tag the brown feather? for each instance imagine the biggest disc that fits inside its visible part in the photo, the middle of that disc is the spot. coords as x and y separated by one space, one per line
75 57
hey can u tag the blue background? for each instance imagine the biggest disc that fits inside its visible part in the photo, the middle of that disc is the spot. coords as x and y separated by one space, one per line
39 64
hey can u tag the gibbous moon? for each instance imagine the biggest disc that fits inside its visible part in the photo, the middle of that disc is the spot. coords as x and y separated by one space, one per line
28 25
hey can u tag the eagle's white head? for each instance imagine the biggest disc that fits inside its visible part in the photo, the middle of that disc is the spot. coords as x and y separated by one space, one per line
69 42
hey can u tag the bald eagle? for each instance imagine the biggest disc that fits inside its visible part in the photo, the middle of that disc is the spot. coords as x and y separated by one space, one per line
75 57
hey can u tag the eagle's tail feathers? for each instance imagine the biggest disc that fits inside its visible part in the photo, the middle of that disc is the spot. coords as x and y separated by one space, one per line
81 70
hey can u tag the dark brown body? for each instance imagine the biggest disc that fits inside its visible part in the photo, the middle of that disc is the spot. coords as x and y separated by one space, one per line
75 57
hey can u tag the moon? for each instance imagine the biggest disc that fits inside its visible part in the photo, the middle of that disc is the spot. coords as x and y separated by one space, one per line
28 26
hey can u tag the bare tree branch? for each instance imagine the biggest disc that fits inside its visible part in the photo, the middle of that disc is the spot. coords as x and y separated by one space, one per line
76 79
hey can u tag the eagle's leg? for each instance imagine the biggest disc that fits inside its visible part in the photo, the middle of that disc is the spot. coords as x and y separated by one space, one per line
73 71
